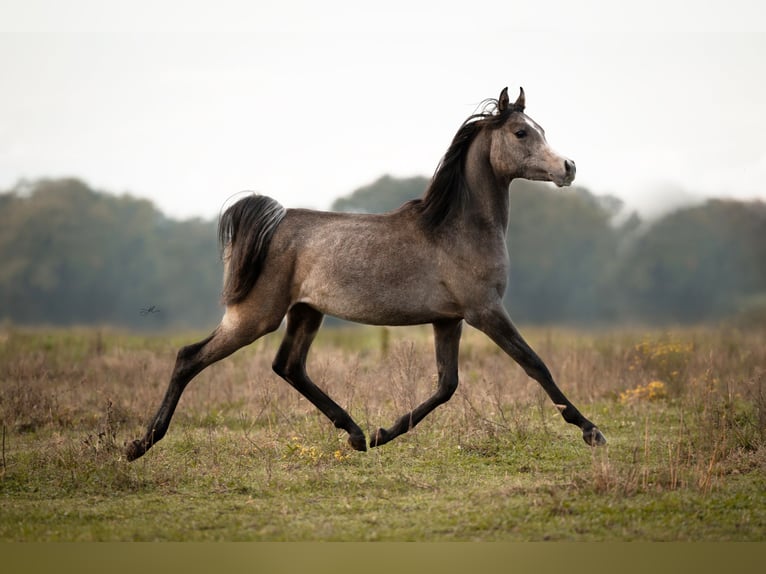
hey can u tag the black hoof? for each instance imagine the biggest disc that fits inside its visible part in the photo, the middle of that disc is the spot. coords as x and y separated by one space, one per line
357 442
593 437
134 450
380 437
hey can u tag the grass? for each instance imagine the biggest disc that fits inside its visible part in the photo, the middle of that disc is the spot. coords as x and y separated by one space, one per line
247 458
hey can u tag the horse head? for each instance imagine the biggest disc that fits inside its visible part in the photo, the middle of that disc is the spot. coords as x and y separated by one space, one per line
518 147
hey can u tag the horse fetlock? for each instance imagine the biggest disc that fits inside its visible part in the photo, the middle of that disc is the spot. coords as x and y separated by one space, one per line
593 437
380 437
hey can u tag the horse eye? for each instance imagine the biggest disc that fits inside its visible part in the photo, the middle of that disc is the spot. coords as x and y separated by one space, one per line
521 134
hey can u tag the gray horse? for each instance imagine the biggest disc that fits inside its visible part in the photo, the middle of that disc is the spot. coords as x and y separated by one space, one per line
441 259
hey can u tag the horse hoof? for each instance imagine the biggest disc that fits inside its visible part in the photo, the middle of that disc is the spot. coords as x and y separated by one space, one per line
134 450
593 437
357 442
380 437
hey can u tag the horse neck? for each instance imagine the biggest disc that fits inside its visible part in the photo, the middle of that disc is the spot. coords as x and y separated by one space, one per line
487 208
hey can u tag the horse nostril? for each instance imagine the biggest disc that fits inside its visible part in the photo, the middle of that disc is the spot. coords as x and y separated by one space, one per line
569 167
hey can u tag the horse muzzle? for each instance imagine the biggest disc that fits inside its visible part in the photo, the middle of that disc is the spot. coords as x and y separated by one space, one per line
568 175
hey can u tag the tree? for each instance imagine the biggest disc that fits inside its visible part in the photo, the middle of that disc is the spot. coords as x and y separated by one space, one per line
72 255
383 195
561 245
696 264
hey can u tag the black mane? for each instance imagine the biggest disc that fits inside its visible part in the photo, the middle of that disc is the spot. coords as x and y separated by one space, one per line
448 190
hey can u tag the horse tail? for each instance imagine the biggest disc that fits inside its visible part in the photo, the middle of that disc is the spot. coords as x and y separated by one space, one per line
244 233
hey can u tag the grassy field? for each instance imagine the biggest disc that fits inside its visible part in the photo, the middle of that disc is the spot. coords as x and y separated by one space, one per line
246 458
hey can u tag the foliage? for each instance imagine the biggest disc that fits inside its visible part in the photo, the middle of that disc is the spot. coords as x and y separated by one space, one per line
71 255
384 194
699 262
652 391
561 246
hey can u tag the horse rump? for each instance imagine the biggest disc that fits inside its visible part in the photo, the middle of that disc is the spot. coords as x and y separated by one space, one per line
244 233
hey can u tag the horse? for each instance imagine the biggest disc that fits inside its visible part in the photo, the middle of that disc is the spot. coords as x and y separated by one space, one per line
440 259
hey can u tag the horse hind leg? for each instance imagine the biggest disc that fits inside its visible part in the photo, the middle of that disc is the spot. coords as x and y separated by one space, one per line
229 336
447 343
303 322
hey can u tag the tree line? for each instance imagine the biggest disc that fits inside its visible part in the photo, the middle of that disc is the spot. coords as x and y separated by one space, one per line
70 254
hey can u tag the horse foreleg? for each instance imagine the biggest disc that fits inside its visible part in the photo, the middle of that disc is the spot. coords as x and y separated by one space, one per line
303 322
498 326
447 343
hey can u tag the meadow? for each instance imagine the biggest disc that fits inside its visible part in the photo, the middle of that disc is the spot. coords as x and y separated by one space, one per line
247 458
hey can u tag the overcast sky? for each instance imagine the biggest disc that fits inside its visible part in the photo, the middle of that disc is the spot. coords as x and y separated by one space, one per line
187 103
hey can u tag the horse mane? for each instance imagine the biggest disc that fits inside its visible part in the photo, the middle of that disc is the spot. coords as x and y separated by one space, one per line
448 190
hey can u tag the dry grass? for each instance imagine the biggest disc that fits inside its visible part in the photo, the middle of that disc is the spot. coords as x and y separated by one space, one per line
684 411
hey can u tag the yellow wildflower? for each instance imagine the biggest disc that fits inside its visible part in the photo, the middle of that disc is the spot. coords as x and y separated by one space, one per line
652 391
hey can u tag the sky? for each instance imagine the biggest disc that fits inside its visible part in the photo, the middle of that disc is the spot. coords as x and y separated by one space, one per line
186 103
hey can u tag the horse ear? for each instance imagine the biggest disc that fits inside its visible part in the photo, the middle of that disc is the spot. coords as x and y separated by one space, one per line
503 101
520 101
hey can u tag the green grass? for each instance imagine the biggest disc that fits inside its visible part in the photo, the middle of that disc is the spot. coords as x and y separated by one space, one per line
246 458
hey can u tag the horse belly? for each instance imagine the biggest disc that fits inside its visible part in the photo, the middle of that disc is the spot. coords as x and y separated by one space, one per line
379 296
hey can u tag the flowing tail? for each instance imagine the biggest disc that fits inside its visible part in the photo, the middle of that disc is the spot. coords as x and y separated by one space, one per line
244 233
